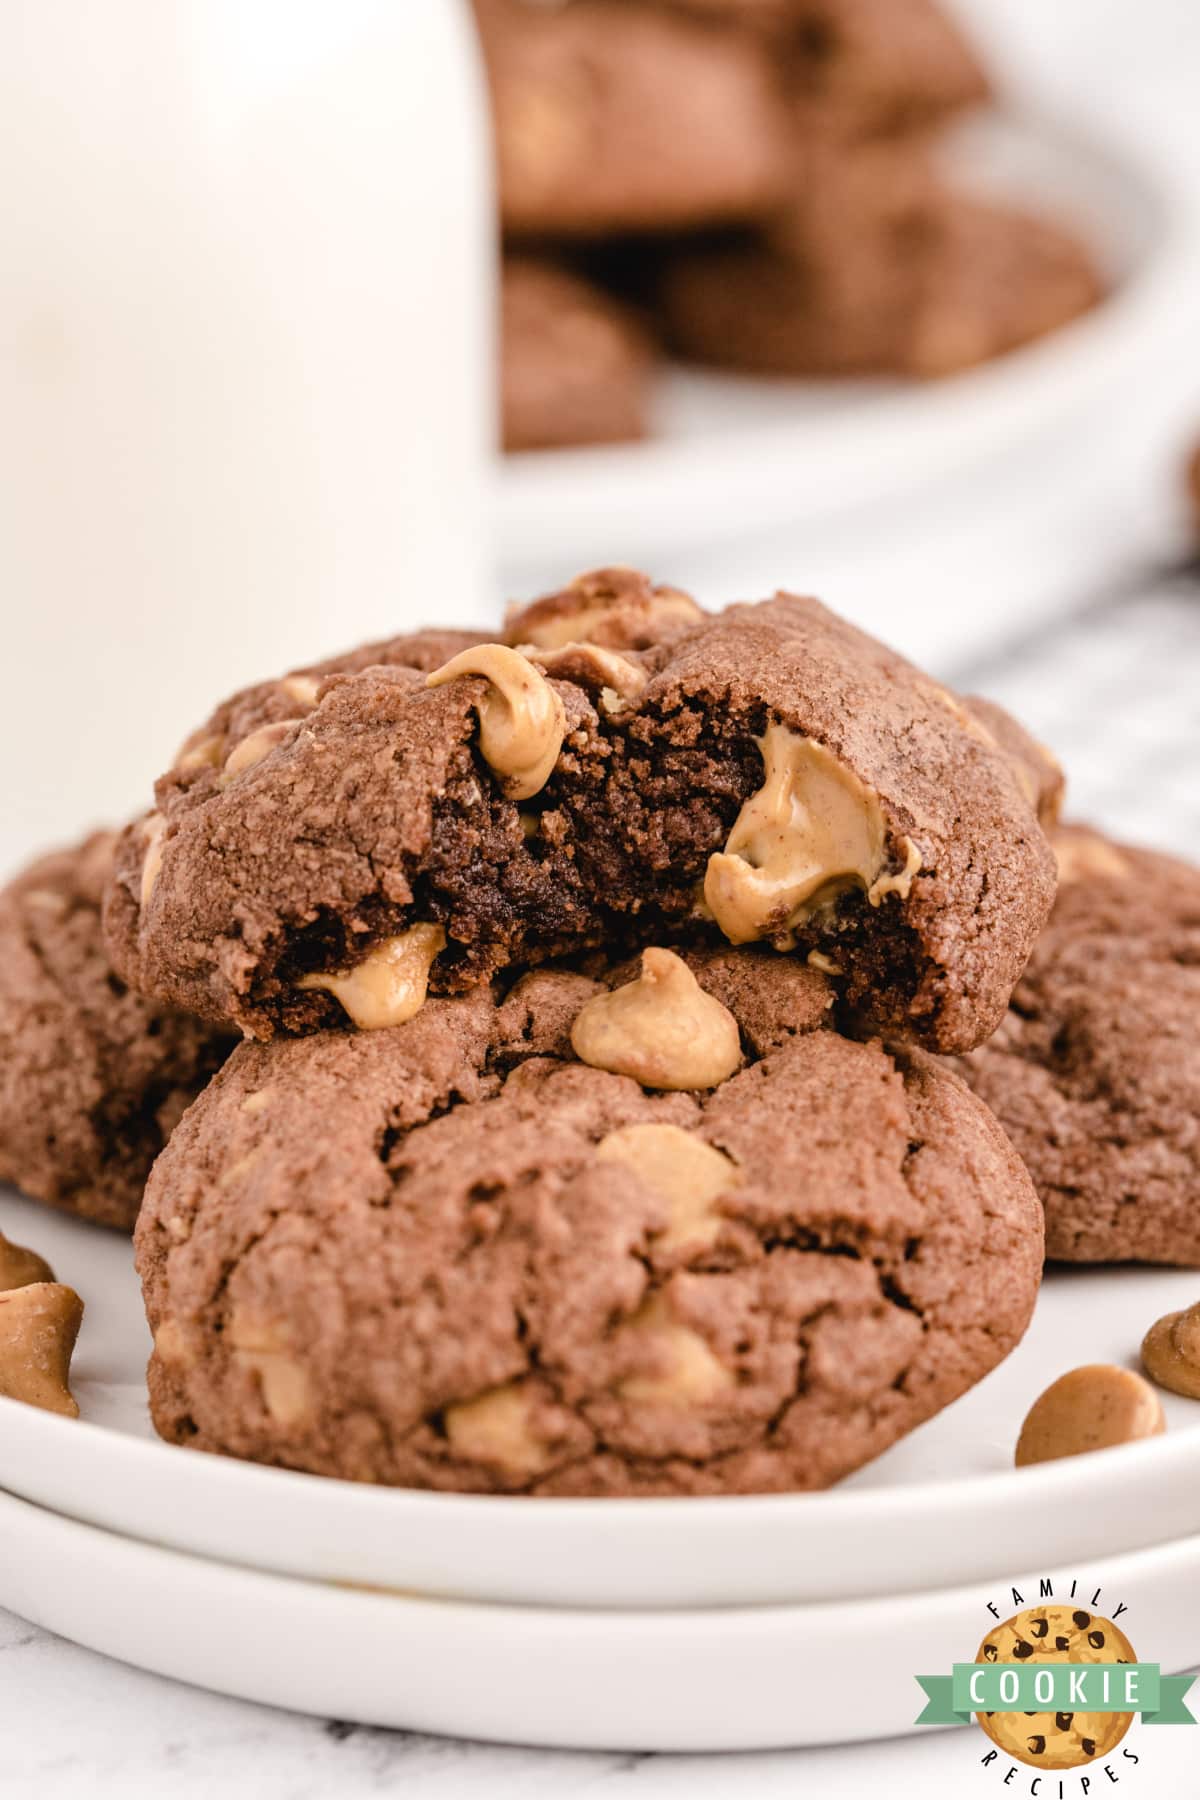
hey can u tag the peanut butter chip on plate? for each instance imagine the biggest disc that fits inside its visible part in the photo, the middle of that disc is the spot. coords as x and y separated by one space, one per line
811 831
38 1327
1171 1352
389 985
20 1267
521 718
1092 1408
663 1029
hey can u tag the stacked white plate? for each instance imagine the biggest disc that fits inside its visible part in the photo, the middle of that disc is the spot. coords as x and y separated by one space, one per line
652 1624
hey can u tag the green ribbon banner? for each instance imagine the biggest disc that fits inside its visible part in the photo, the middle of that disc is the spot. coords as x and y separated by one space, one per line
1055 1687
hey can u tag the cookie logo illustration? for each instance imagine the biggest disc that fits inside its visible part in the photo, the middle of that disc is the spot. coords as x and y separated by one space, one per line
1056 1634
1056 1688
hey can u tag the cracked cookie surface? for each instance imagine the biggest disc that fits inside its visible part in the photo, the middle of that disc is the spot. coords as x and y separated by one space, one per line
448 1255
1095 1072
768 772
92 1076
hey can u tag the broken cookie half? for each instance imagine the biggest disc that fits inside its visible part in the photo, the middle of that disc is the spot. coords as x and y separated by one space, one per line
624 770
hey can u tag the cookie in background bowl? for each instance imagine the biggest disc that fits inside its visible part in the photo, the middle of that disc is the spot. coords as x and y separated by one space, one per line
93 1078
611 118
576 365
1095 1072
453 1255
876 267
763 774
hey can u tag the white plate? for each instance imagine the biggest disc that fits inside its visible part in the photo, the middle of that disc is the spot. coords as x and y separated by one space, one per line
743 1679
732 455
942 1508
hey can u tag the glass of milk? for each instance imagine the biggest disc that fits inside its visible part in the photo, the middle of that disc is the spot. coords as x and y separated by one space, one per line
246 377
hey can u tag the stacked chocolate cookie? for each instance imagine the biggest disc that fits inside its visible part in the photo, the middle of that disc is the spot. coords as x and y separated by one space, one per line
593 1130
749 183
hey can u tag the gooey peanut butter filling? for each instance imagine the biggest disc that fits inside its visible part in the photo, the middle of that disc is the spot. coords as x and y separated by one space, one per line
521 719
811 832
389 985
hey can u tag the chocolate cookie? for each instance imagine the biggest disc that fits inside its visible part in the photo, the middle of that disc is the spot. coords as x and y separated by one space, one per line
861 67
617 118
1095 1072
575 363
446 1255
876 268
767 773
92 1077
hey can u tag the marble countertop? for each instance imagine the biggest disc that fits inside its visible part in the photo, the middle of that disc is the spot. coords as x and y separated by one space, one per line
76 1724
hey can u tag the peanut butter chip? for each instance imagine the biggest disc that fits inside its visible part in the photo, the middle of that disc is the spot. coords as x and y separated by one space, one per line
1091 1408
170 1343
685 1171
252 749
389 985
497 1428
686 1371
662 1029
20 1267
521 718
665 608
38 1327
154 828
1171 1352
614 675
810 832
264 1347
201 753
1084 857
302 689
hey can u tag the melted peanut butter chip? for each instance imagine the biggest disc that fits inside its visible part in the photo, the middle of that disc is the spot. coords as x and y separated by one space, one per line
497 1428
389 985
20 1267
265 1349
39 1324
154 830
687 1373
1088 1409
620 682
302 689
521 718
1085 856
812 831
660 610
685 1171
201 753
253 748
663 1029
1171 1352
